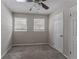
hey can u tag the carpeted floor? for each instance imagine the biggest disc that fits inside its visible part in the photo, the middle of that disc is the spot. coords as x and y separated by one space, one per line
33 52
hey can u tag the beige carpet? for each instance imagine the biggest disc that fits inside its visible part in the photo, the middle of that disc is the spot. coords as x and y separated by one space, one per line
33 52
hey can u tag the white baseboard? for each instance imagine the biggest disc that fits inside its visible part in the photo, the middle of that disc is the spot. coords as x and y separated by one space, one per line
29 44
66 56
5 52
51 45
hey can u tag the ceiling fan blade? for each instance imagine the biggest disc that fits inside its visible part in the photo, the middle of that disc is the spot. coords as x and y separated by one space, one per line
43 0
29 0
44 6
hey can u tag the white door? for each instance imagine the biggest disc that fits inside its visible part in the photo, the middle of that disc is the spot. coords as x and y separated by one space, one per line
73 41
58 31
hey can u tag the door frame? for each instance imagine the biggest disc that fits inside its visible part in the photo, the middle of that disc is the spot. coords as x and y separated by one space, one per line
73 40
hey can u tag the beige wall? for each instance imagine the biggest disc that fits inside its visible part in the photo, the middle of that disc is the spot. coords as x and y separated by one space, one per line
6 28
22 37
29 36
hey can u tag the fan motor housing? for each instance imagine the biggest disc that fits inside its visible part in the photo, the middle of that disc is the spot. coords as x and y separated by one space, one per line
29 0
35 0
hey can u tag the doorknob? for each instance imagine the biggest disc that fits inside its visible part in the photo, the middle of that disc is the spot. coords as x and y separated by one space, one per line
61 35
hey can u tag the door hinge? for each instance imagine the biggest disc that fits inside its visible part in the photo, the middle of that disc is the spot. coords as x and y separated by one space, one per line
70 52
70 14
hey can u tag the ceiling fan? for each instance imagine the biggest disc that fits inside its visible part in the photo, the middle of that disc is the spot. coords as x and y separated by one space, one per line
39 2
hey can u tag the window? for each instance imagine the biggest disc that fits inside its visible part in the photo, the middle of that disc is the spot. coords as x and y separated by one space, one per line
20 24
39 24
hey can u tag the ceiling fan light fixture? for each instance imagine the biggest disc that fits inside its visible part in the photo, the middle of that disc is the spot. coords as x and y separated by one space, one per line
20 0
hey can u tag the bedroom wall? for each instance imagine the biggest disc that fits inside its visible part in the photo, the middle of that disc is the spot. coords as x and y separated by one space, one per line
6 29
30 36
66 30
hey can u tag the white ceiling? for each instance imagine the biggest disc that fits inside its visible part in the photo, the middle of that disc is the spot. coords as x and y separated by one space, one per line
25 6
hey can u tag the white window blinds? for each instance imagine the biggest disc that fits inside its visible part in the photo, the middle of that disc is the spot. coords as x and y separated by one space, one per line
20 24
39 24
